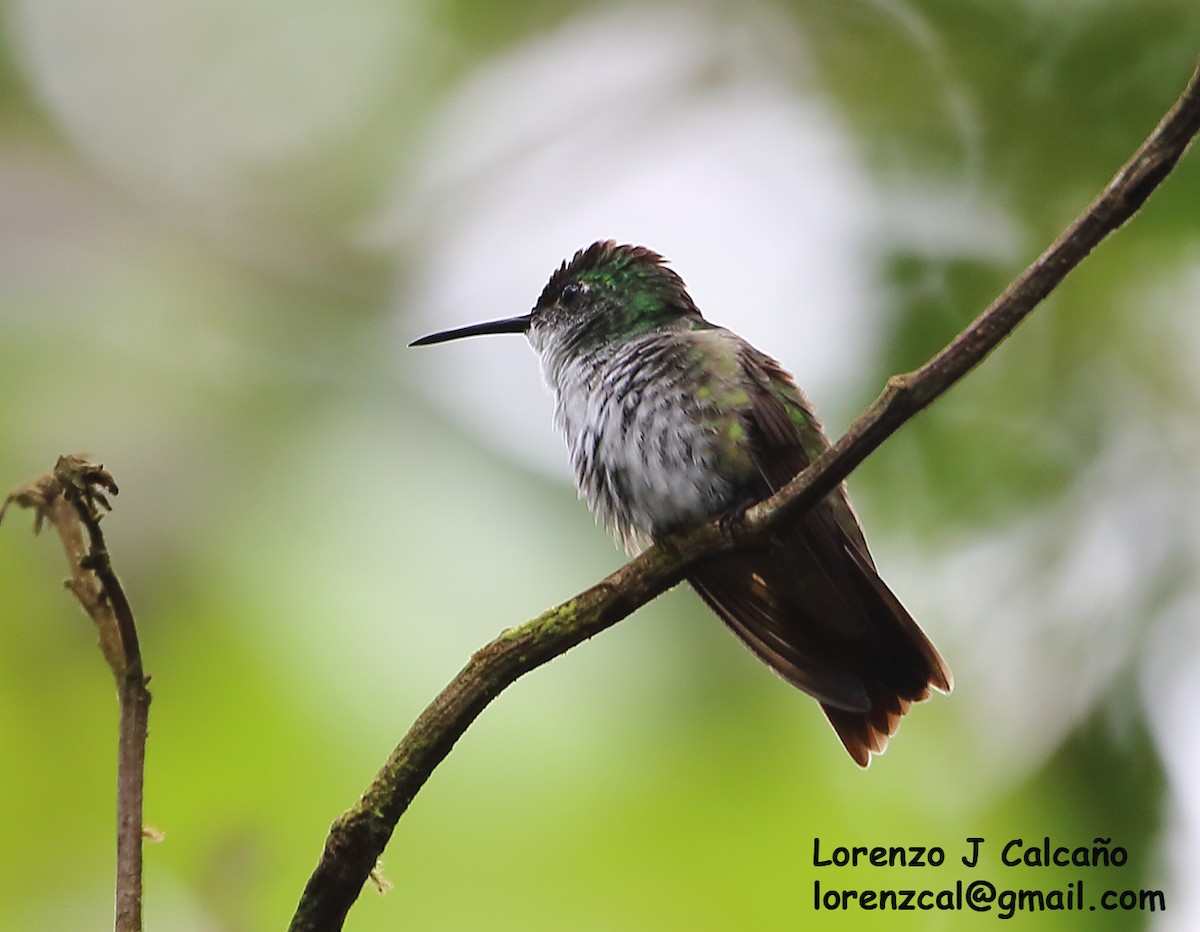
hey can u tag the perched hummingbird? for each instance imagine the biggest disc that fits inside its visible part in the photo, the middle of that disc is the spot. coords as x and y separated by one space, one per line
672 422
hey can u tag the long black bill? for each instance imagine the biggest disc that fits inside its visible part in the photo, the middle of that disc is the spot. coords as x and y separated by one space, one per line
508 325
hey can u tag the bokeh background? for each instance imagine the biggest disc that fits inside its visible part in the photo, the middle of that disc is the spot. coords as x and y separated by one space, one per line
220 225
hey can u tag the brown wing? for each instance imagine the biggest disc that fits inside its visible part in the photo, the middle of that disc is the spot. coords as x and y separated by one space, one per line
811 604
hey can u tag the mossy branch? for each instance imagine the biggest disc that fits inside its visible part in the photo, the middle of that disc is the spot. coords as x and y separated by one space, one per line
358 837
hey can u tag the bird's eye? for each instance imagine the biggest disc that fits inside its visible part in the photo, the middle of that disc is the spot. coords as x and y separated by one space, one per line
571 292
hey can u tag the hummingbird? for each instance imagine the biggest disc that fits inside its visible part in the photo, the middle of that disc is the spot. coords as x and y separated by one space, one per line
672 422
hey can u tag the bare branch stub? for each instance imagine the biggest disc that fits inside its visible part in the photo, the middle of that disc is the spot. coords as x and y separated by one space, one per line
84 485
63 498
73 498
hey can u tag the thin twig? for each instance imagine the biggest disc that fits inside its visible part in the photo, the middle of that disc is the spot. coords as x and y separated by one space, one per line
73 500
358 837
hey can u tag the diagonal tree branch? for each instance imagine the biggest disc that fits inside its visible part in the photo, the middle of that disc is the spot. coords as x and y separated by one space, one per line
358 837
